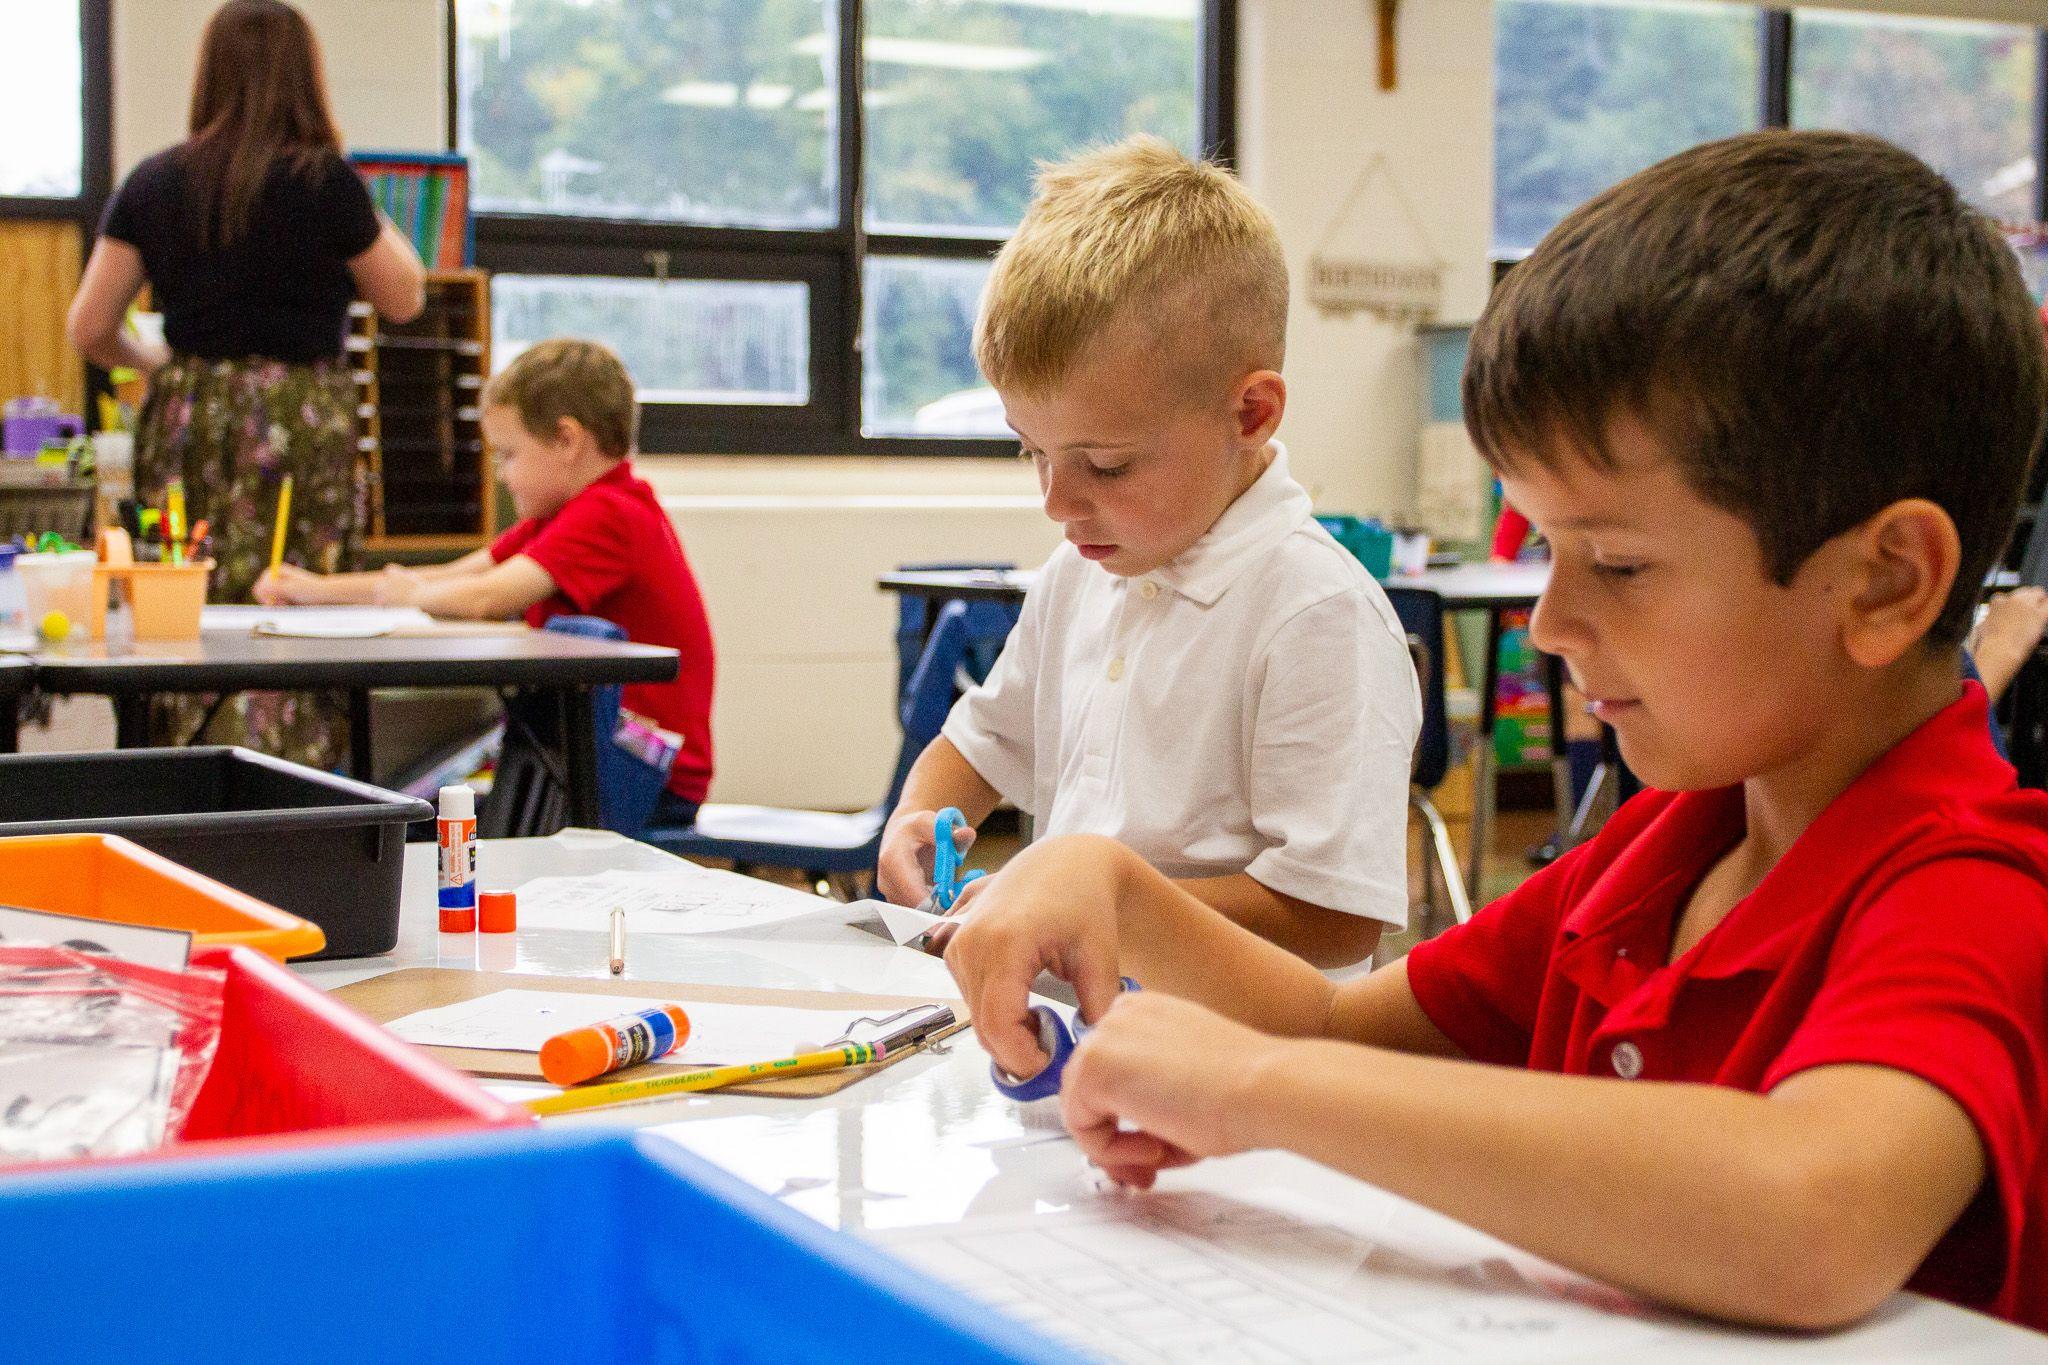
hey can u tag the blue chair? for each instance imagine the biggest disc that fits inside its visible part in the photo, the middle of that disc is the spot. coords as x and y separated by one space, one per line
529 793
1421 612
916 614
831 845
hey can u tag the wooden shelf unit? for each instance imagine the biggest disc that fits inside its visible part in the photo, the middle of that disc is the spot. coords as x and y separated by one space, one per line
419 389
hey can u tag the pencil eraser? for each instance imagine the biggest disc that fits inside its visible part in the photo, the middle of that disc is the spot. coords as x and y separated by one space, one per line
498 912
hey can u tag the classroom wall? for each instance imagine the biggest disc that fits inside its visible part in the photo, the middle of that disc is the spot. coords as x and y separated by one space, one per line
386 72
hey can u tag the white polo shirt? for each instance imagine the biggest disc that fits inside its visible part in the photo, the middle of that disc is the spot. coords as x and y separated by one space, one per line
1248 707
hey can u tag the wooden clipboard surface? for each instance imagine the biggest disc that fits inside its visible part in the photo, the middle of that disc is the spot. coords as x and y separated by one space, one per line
412 989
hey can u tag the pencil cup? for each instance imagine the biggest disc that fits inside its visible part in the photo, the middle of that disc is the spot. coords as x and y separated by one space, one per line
167 598
58 581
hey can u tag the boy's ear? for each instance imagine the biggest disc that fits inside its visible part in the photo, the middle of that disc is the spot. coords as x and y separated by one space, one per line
1906 558
1261 400
570 432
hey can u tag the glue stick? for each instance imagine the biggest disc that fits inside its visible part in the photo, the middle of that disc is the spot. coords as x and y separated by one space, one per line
455 834
576 1056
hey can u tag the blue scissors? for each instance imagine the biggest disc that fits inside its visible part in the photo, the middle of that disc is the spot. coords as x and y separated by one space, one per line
1057 1037
947 882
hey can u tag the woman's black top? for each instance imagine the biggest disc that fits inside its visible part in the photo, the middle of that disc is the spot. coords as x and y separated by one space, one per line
280 291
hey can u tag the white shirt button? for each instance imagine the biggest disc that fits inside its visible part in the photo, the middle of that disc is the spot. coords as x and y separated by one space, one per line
1116 669
1628 1061
1148 590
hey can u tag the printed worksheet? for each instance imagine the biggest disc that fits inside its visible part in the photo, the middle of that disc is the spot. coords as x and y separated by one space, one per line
520 1021
1269 1276
313 623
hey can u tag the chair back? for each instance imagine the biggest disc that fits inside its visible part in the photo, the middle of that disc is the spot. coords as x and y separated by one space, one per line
1421 613
962 634
914 617
627 785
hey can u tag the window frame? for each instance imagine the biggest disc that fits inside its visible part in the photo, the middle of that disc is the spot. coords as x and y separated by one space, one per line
830 260
1775 28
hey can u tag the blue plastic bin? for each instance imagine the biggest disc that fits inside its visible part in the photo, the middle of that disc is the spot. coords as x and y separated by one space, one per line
544 1246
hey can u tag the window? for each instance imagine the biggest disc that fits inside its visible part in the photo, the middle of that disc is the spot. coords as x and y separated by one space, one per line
785 226
1959 95
42 102
1588 92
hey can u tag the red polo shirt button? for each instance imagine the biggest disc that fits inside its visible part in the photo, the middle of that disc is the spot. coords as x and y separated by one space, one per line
1628 1061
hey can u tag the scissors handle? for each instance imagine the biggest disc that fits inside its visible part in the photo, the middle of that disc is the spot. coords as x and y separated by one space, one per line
1058 1038
946 879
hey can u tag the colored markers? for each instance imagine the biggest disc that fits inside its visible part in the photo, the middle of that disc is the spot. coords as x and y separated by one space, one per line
581 1053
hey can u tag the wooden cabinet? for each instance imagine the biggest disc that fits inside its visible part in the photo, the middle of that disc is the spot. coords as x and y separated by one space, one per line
420 389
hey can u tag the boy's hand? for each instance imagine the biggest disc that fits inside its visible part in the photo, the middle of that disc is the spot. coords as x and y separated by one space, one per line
398 587
283 586
1052 909
1161 1082
903 871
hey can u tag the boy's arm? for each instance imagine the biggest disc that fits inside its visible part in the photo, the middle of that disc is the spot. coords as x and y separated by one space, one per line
1315 933
941 777
495 594
1802 1208
290 585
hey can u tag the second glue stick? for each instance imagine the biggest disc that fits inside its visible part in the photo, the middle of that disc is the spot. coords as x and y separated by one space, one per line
455 834
576 1056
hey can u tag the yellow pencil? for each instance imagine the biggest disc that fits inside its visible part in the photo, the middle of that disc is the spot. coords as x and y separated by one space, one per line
711 1078
284 512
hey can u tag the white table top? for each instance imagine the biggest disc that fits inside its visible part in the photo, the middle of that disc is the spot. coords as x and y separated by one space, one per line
927 1159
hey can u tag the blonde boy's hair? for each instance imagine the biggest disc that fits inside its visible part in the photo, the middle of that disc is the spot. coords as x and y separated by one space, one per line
584 380
1136 226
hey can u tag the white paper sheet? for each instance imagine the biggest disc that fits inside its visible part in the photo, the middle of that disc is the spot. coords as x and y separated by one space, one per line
520 1021
682 900
314 623
1266 1275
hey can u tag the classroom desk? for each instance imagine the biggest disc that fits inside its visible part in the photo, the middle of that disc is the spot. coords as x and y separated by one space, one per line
920 1149
562 666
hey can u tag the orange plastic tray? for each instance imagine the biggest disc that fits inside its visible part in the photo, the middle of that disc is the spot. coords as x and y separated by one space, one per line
104 877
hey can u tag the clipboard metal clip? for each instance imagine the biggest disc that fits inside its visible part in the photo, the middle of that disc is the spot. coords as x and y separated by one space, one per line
911 1027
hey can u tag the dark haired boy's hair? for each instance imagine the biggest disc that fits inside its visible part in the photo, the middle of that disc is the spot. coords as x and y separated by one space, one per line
1814 324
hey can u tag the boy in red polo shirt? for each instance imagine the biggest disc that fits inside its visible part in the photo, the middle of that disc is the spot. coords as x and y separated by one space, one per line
1774 1044
591 540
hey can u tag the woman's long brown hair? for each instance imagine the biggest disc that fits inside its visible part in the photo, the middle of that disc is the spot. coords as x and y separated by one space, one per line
258 100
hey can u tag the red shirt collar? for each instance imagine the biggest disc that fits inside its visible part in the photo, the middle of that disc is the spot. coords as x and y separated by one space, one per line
1620 931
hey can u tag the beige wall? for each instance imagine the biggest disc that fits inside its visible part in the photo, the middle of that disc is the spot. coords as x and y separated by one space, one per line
385 70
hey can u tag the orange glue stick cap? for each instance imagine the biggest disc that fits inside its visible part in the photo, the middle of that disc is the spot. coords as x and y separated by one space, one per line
497 912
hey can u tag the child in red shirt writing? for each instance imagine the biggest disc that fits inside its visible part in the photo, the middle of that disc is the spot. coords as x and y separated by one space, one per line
1775 1043
591 540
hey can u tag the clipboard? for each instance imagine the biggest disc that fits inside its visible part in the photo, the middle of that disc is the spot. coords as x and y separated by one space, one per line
412 989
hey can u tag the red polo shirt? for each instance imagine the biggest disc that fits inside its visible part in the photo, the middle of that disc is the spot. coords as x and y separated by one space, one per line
613 553
1907 927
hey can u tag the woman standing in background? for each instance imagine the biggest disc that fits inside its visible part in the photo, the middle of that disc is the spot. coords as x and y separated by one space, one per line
253 234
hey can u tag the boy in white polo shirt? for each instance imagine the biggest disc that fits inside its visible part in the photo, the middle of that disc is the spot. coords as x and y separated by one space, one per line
1200 672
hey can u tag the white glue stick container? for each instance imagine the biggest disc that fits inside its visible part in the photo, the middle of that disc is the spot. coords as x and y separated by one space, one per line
455 836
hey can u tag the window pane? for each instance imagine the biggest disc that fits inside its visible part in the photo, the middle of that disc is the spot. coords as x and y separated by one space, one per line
1588 92
42 132
684 341
1961 95
964 97
918 334
717 111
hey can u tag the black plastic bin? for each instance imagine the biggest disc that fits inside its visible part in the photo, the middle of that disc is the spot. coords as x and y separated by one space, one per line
326 848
